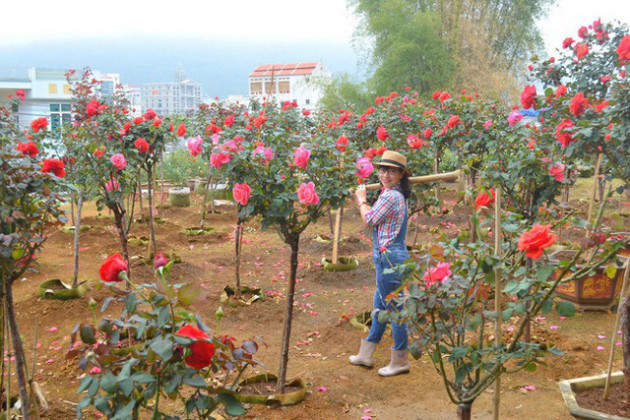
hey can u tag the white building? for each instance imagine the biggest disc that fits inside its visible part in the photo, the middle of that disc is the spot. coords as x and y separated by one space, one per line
300 82
133 93
173 97
48 94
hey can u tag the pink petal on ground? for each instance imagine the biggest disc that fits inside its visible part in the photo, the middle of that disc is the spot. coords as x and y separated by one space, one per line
530 387
321 388
601 337
49 361
52 329
367 411
366 417
618 344
601 348
553 327
562 318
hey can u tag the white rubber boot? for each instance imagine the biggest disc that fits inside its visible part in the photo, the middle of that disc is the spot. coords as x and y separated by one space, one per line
399 364
364 358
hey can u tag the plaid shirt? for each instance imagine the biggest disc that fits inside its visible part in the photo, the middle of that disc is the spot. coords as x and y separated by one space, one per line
387 215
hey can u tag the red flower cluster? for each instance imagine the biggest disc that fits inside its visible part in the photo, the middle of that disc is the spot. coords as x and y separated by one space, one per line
142 145
623 49
260 120
581 50
536 240
528 97
578 104
93 108
55 166
452 121
112 267
381 133
28 148
564 138
484 199
181 130
201 351
39 124
20 94
342 142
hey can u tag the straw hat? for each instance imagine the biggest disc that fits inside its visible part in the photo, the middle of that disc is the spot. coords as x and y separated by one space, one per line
395 160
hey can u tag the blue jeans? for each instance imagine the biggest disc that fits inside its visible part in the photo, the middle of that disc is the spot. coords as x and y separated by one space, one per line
386 284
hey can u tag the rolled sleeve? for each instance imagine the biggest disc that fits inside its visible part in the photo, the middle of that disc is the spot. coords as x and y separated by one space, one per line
384 206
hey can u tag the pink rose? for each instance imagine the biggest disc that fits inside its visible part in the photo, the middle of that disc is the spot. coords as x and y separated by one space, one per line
229 146
487 124
300 157
262 153
557 171
364 167
194 145
438 274
112 185
219 159
119 161
241 193
514 117
159 260
307 195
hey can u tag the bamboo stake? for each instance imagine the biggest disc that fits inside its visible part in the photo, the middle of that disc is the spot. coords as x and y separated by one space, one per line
336 232
496 399
424 179
613 335
594 192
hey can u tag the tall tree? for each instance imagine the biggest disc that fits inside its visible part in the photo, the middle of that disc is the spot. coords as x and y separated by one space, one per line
446 44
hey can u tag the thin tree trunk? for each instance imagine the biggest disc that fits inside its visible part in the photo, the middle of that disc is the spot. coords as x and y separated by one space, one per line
496 400
162 175
204 209
463 411
2 345
613 335
77 233
294 242
238 237
211 196
336 234
625 344
19 354
331 224
594 191
151 226
122 234
565 203
140 193
436 169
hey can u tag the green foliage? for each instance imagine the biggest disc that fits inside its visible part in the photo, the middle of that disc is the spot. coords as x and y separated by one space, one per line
142 355
179 168
345 93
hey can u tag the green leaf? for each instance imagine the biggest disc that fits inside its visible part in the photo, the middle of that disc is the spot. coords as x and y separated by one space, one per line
82 404
611 271
544 272
565 308
196 381
102 405
93 388
125 412
531 367
163 316
87 334
556 351
163 348
126 387
85 383
232 406
172 384
143 378
130 303
108 382
189 294
546 307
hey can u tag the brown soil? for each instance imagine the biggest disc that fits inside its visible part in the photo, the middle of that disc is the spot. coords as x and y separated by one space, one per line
616 404
321 340
265 388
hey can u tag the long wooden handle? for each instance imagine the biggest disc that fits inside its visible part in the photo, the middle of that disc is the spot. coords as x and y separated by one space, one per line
424 179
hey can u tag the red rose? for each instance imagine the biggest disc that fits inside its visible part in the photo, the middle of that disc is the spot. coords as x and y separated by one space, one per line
142 145
560 91
260 120
306 112
156 122
29 148
536 240
623 49
528 97
581 50
149 115
229 120
484 199
436 94
181 130
39 124
453 120
583 32
93 108
444 96
564 138
159 260
55 166
427 133
567 42
381 133
138 120
112 267
201 351
578 104
20 94
342 142
241 193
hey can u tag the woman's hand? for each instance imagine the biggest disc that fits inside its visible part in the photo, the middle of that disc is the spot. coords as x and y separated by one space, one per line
361 194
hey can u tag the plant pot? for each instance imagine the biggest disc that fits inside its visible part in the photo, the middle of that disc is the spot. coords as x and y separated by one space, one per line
343 264
179 197
288 398
56 289
571 387
592 292
228 296
197 231
362 321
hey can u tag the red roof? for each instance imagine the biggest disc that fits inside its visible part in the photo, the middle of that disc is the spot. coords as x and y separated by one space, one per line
291 69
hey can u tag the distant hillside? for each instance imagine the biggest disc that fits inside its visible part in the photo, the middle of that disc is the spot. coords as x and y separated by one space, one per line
221 67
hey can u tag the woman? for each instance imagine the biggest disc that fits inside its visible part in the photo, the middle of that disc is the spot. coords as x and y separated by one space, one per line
388 219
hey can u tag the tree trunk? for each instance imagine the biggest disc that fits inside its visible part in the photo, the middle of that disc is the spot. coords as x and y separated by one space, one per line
118 218
594 191
140 194
151 226
294 242
77 230
625 344
2 346
613 335
331 224
436 169
19 354
463 411
204 208
238 238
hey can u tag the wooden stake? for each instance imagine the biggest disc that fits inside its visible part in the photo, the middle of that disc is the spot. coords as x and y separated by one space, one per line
613 335
337 230
496 399
594 192
424 179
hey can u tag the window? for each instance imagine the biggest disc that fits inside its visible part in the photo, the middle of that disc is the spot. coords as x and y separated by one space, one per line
269 88
52 88
67 90
307 101
284 86
59 115
255 88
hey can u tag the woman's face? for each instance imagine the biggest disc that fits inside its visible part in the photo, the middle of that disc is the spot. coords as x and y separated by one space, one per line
389 176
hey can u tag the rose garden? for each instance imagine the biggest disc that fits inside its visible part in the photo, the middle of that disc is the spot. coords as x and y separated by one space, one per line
244 293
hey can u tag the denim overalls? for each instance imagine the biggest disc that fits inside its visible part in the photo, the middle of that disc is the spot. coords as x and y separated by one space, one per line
386 283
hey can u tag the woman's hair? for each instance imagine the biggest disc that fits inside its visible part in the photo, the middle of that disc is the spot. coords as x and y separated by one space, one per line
405 186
